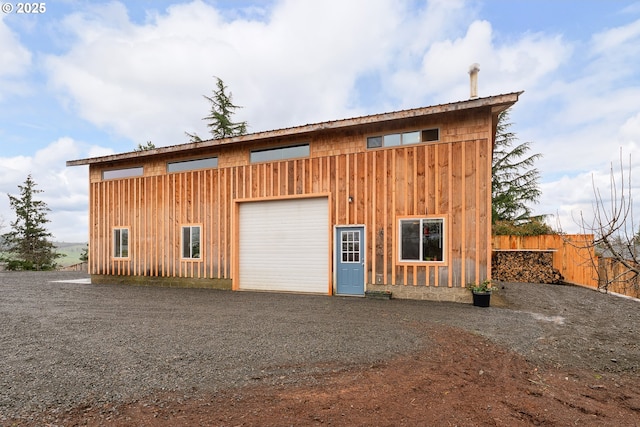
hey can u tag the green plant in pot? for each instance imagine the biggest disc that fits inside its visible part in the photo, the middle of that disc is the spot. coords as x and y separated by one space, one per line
482 293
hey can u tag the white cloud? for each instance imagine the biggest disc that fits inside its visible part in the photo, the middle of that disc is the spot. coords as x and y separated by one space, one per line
583 118
15 60
572 200
522 64
145 81
64 190
300 62
613 39
630 130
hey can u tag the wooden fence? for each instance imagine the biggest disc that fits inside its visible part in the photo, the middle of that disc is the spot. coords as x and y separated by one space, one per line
82 266
573 254
575 258
619 278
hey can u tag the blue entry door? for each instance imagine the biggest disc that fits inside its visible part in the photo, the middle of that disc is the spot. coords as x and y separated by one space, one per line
350 260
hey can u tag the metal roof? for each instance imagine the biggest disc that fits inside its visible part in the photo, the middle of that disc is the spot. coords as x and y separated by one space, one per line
497 103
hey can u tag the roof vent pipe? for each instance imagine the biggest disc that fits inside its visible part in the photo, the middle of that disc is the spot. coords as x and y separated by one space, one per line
473 79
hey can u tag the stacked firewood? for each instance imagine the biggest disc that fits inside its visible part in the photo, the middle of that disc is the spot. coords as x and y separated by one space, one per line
524 266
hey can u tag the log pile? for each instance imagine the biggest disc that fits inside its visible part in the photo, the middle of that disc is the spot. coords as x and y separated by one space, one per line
524 266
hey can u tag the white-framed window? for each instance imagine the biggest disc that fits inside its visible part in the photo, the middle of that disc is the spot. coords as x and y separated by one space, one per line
123 173
121 243
350 246
193 164
422 239
279 153
404 138
191 242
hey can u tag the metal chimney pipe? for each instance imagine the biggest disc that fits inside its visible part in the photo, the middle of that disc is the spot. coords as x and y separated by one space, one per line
473 79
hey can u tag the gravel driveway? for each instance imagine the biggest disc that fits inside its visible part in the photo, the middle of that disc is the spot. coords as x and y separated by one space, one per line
65 344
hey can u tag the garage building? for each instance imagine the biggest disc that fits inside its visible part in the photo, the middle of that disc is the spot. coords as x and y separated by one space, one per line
397 201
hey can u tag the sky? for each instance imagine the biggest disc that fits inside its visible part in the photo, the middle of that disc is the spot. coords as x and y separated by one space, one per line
85 78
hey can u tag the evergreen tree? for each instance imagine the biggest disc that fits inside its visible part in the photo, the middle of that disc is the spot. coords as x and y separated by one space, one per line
219 118
148 146
222 108
193 137
514 185
84 255
28 243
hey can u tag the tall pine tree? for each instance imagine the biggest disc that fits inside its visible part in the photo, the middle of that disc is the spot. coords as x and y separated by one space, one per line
27 244
514 185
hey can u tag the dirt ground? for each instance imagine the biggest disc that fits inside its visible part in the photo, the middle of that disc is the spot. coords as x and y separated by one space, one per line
463 380
542 355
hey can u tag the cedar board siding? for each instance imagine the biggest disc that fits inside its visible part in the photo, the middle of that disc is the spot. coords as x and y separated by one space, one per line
450 178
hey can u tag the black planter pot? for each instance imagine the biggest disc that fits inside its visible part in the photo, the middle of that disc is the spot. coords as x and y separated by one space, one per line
482 299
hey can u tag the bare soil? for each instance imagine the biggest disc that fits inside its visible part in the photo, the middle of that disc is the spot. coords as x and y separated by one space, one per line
463 380
542 355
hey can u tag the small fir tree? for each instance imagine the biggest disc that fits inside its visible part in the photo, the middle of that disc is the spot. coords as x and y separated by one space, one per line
193 137
28 243
84 255
146 147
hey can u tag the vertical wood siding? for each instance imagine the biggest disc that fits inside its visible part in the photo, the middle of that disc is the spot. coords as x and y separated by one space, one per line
447 179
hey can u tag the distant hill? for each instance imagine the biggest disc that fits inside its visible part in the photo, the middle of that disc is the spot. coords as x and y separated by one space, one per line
72 252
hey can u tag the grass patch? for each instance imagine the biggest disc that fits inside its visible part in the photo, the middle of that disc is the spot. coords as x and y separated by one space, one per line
71 252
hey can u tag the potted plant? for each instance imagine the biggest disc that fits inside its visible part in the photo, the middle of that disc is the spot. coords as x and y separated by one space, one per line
482 293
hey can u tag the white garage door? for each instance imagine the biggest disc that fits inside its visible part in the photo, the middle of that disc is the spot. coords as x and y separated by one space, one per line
284 245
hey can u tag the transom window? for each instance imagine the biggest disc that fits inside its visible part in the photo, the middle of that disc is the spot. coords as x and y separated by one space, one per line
405 138
191 242
280 153
350 247
422 239
120 242
122 173
204 163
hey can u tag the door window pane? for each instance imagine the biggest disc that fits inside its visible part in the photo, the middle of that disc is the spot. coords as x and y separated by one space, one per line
350 246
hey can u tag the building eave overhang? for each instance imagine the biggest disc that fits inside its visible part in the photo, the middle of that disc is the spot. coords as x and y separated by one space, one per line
496 103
